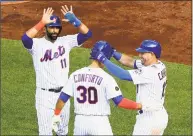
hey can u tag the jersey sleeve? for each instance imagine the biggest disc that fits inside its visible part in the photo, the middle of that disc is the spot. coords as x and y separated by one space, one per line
33 49
142 75
112 89
68 88
138 64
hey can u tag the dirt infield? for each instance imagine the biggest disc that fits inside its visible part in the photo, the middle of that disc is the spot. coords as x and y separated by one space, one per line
12 3
124 24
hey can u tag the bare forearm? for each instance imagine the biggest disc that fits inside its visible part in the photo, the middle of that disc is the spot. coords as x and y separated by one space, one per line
83 29
127 60
34 30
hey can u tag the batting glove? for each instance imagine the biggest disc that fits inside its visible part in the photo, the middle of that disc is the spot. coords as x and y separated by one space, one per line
72 19
100 57
55 122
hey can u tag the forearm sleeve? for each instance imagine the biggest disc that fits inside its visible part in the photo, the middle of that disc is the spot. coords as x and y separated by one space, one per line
117 55
27 41
128 104
117 71
83 37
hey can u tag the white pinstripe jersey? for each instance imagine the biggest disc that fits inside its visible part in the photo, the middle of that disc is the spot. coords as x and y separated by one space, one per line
51 60
92 88
151 83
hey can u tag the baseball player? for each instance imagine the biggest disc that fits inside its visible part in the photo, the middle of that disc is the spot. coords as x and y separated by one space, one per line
150 79
92 88
50 56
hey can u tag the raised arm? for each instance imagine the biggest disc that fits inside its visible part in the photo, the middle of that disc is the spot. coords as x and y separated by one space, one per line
32 32
69 16
111 67
45 20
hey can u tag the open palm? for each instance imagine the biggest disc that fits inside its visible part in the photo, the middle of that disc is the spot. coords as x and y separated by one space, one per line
66 10
46 15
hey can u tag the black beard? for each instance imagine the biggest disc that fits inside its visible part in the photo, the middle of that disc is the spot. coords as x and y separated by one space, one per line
51 37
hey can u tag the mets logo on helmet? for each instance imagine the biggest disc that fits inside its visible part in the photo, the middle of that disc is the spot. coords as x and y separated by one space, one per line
54 20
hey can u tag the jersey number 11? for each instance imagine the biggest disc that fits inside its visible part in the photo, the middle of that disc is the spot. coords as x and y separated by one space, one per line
63 63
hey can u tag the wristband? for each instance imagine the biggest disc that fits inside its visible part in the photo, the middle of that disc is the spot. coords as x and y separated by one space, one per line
57 111
77 22
73 19
117 55
39 26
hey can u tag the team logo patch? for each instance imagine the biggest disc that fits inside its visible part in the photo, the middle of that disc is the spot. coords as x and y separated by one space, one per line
138 71
116 88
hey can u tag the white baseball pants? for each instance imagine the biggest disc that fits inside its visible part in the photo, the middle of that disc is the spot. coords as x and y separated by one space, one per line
151 123
92 125
45 105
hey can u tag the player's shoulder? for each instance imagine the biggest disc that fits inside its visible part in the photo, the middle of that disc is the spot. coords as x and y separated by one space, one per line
66 37
81 70
106 75
39 39
157 67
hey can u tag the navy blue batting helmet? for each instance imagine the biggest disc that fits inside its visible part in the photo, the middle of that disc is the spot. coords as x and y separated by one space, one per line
103 47
150 46
57 23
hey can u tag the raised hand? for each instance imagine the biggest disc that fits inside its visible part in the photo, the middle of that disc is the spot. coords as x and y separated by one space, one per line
69 16
46 15
99 56
66 10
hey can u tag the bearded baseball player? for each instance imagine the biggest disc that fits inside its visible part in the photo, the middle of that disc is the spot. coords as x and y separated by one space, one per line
92 88
150 80
50 56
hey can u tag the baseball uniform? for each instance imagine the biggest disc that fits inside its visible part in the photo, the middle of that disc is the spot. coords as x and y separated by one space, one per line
151 84
51 63
92 88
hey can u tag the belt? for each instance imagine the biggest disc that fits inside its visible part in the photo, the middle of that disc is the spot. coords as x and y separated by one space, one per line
140 111
56 90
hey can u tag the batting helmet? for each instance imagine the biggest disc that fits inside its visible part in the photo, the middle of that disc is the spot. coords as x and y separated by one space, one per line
103 47
56 23
150 46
